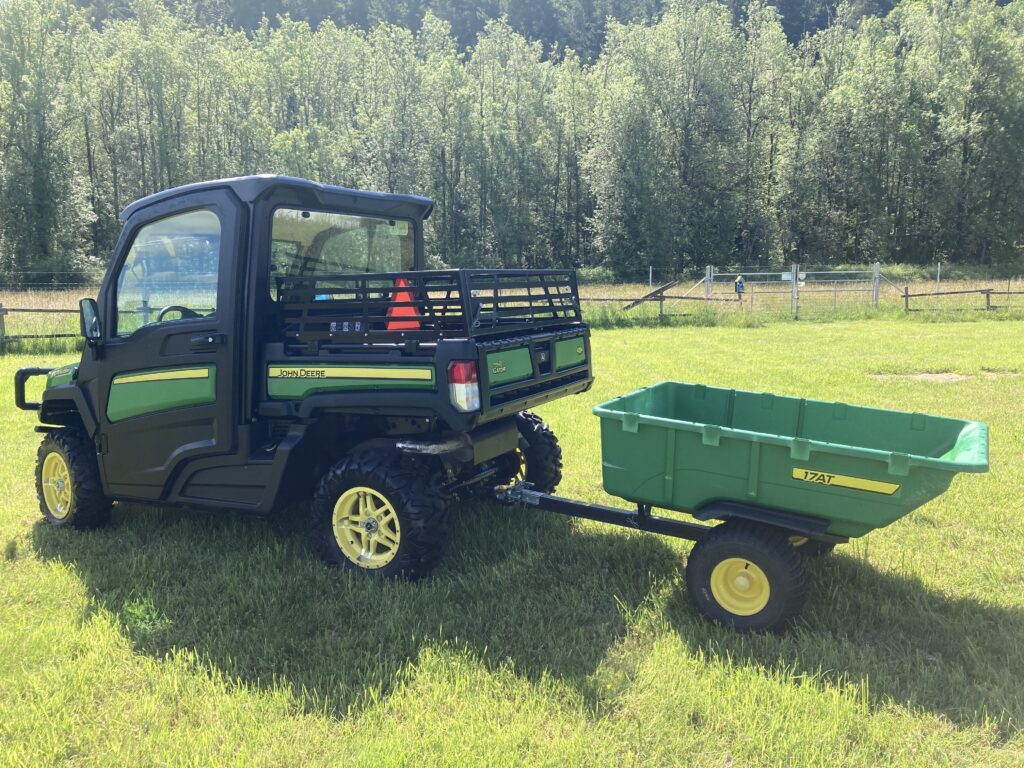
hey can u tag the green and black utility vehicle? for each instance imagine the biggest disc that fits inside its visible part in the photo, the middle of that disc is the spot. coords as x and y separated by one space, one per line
266 339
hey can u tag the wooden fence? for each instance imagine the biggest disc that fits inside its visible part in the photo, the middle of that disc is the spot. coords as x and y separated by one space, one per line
5 311
987 293
657 296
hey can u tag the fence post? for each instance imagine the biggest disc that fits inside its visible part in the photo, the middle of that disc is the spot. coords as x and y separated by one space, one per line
751 296
3 323
795 298
876 281
145 311
906 298
835 295
650 277
661 308
709 279
988 299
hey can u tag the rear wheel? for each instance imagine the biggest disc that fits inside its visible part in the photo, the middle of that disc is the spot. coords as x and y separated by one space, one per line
538 460
377 513
746 576
68 480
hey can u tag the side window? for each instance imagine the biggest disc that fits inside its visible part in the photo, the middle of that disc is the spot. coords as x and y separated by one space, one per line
170 272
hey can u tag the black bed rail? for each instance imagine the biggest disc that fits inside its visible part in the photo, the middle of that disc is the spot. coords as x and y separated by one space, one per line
426 305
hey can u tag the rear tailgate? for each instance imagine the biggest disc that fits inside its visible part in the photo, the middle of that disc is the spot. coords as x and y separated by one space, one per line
526 371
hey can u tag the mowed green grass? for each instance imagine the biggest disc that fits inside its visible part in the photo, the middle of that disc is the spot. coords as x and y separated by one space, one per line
190 638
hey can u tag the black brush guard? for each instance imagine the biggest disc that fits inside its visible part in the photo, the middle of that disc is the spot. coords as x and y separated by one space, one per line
426 306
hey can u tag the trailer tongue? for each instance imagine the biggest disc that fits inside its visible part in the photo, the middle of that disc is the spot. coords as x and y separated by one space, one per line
785 476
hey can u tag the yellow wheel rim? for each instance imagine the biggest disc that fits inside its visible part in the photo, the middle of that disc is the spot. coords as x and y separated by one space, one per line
740 587
520 465
56 479
366 527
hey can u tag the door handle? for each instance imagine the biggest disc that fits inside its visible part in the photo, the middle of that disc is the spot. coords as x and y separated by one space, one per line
207 341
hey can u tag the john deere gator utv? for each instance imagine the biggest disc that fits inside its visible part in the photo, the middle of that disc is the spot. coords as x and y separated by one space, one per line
265 339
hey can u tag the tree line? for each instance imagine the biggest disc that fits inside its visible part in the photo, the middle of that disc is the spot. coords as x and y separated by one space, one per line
576 24
693 139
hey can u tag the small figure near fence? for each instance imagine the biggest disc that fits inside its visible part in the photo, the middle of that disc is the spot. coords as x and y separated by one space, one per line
739 286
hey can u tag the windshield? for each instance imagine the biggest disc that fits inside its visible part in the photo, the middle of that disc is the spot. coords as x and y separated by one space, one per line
311 243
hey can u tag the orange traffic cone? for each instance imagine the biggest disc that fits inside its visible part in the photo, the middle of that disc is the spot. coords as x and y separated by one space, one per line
405 297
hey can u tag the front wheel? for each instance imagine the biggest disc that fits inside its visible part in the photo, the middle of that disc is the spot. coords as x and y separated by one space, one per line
376 513
68 480
746 576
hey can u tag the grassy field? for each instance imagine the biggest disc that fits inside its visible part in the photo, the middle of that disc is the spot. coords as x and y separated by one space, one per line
188 638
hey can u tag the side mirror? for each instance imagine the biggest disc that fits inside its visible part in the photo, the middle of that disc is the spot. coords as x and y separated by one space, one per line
89 320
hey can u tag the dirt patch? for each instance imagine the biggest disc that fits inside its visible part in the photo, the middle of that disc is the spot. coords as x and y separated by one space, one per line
947 377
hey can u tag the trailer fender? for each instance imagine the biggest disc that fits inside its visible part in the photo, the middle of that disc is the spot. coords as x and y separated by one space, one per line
805 525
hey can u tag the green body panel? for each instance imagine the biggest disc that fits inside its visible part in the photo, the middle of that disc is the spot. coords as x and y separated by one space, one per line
63 375
509 365
681 446
570 353
287 381
134 393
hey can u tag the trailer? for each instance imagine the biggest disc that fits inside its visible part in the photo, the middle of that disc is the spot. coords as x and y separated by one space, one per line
772 480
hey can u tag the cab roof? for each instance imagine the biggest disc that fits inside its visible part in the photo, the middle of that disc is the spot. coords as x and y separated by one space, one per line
249 189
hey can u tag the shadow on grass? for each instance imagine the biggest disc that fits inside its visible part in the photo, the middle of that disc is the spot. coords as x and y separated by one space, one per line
516 587
909 645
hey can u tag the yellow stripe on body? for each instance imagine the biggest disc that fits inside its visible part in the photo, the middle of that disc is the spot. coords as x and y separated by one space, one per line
844 481
298 372
178 375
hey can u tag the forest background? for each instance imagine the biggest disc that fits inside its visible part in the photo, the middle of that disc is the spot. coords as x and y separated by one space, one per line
611 136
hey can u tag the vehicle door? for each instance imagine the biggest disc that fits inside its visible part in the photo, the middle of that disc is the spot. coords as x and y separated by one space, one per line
166 378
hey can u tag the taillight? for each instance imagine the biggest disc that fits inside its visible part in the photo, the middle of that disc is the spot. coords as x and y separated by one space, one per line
464 385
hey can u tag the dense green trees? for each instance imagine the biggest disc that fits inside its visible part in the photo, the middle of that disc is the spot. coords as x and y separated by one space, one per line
706 137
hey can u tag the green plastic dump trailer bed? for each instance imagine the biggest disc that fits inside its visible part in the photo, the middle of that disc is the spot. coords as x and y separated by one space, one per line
685 446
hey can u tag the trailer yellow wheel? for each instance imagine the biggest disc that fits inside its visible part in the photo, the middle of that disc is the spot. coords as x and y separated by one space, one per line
58 494
740 586
366 527
746 576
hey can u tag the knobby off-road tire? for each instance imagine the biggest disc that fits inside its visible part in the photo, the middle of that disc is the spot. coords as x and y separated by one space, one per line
68 480
746 576
381 513
539 461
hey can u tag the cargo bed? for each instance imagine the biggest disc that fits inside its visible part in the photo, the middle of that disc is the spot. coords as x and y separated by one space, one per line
685 446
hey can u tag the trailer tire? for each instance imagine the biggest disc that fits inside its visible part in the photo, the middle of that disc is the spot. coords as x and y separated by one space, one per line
747 576
68 481
409 530
538 460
